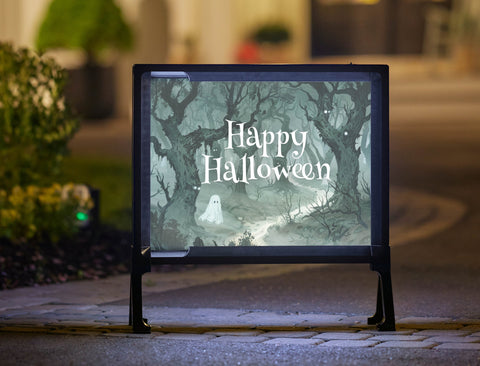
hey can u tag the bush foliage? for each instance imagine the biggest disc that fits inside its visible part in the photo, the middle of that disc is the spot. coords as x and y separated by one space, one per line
35 127
41 214
39 243
94 26
35 123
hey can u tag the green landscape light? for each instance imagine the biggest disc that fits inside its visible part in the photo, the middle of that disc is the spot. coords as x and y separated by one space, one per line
82 216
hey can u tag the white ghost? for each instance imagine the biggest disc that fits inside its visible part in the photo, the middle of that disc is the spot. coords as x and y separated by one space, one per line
213 212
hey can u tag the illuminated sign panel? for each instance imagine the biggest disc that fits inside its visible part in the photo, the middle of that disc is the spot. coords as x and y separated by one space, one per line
261 164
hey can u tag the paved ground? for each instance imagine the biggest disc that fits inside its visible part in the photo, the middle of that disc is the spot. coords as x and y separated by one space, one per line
297 314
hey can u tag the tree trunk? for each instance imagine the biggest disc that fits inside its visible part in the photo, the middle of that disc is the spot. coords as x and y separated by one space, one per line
346 193
342 143
177 228
241 187
283 184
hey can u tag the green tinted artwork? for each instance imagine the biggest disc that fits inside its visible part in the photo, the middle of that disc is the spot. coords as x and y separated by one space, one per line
259 163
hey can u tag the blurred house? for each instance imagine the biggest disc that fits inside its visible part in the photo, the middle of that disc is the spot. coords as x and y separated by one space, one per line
227 31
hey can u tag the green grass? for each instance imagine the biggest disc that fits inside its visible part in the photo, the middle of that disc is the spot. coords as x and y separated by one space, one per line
113 178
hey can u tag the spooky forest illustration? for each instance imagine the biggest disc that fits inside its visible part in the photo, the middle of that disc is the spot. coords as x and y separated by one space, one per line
259 163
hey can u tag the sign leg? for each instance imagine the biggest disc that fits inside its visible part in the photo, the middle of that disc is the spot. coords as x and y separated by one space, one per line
384 316
136 319
388 323
140 265
378 316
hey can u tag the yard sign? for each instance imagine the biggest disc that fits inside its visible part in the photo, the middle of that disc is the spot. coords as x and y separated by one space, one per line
261 164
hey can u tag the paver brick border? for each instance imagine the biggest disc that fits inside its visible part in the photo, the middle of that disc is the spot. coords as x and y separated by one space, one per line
343 336
464 346
349 343
407 344
241 339
294 341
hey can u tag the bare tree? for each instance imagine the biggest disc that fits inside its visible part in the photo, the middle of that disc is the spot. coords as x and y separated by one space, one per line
174 224
341 139
260 94
175 221
289 208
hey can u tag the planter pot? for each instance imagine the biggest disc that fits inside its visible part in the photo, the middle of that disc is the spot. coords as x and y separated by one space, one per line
466 57
275 53
90 90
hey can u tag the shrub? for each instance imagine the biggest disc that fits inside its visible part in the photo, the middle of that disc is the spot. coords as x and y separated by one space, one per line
35 123
274 33
94 26
246 240
40 215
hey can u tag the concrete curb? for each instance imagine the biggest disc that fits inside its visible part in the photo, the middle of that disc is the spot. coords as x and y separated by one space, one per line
238 326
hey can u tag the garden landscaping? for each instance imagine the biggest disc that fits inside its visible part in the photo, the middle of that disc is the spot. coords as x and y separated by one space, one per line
43 198
85 253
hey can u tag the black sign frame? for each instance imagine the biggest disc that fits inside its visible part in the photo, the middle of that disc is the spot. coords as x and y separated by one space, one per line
377 254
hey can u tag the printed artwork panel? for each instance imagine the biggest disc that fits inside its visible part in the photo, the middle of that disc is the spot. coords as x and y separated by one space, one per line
259 163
